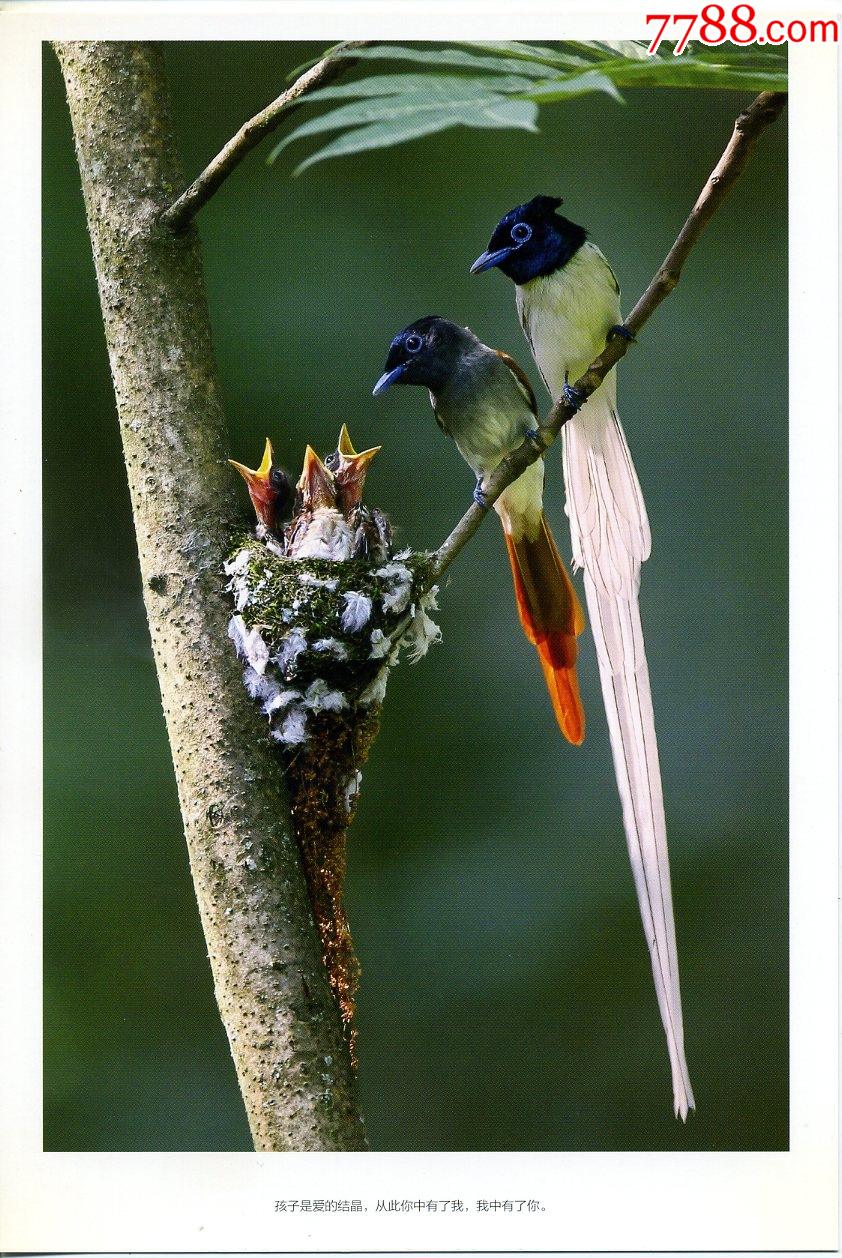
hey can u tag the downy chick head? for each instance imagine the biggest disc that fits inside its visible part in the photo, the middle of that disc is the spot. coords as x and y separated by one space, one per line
530 241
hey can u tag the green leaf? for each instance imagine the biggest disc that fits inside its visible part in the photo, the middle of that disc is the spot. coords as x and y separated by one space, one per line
463 59
679 72
608 49
503 81
419 84
687 71
540 53
428 99
625 62
766 56
517 57
497 112
573 85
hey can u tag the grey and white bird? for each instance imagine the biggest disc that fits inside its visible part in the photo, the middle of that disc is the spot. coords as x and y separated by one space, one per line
568 300
484 401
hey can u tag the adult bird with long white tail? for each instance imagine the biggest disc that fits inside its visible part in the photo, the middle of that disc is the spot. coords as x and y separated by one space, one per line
568 300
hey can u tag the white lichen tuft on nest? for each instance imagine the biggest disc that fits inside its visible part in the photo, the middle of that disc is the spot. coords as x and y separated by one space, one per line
357 611
423 632
397 580
320 636
352 790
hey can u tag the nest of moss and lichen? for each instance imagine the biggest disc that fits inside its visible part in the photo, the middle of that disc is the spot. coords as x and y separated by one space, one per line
318 639
330 621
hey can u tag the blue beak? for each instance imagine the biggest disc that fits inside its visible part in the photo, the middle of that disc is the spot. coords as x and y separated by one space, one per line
487 260
388 377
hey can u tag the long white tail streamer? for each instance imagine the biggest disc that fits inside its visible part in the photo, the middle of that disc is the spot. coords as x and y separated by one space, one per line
610 535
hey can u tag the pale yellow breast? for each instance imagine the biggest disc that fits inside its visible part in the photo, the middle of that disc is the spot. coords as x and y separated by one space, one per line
567 316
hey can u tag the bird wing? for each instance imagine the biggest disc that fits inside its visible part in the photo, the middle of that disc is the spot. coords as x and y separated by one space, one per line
609 527
521 378
610 535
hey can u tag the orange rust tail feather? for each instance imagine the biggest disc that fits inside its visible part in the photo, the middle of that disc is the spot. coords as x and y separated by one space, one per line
551 617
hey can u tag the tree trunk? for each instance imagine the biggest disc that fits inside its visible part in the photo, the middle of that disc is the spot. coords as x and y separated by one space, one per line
282 1022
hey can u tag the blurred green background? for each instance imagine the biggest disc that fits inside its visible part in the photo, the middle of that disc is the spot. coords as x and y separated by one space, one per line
507 998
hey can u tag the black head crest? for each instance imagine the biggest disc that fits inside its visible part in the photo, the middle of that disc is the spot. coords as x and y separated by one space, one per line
532 240
544 205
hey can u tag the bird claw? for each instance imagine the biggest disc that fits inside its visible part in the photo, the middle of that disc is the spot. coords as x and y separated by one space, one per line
620 329
533 436
573 397
479 497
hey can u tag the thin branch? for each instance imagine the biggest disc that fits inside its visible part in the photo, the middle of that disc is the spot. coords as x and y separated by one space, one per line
183 210
760 114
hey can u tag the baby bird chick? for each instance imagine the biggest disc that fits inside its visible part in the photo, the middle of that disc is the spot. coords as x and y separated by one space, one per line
319 529
271 493
371 529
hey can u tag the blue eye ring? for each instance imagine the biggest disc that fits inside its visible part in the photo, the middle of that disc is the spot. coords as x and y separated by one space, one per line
520 233
413 343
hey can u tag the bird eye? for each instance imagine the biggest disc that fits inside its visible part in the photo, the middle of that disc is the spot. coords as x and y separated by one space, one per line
521 232
413 343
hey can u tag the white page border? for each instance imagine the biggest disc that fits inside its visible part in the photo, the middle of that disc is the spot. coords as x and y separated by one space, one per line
618 1201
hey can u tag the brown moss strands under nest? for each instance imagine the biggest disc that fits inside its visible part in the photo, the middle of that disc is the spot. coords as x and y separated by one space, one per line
317 777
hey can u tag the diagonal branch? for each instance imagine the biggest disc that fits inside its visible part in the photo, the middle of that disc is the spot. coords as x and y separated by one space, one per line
763 111
184 209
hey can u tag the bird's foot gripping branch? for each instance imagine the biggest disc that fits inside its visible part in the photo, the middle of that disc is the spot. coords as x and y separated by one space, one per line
322 612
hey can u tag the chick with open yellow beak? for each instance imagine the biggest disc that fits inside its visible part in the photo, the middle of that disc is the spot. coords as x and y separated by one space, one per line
350 468
269 488
316 486
319 529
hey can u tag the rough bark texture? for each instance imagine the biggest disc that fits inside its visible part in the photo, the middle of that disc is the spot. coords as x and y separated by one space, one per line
282 1021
